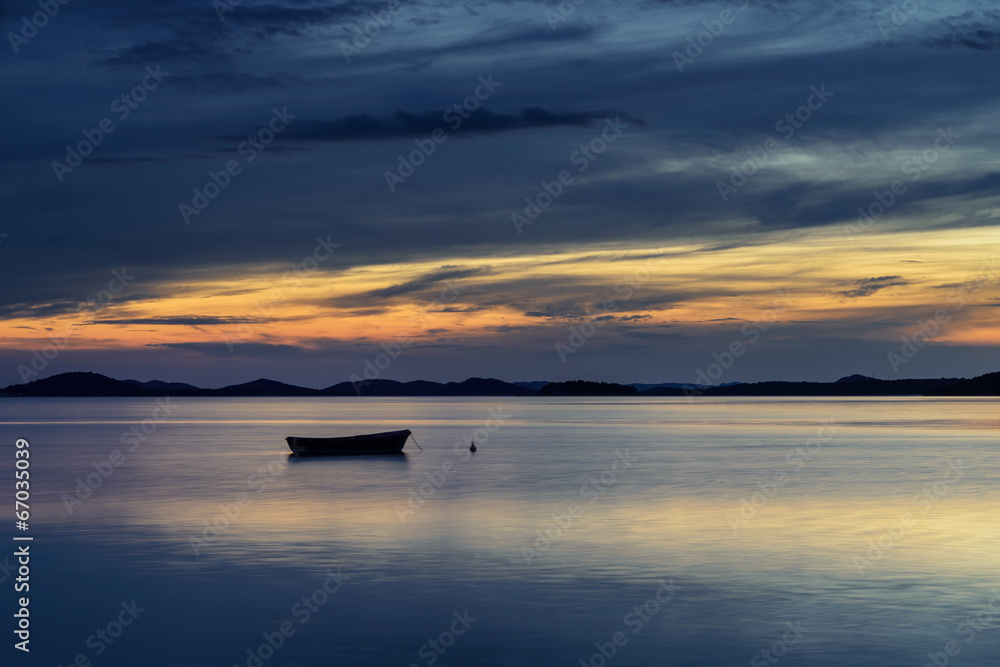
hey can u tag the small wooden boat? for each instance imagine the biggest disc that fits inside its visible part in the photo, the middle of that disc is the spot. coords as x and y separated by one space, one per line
390 442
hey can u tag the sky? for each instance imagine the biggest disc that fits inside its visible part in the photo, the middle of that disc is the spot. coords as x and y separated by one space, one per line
655 191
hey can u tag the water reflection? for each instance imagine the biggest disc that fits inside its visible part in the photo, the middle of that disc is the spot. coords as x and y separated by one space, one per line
395 457
423 535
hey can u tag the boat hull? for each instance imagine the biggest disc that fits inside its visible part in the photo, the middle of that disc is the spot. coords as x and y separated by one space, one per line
390 442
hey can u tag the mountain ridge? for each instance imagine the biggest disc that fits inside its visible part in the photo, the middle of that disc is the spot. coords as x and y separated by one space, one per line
84 384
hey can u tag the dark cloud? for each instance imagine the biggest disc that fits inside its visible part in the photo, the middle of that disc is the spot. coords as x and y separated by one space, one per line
980 40
504 37
164 51
191 320
275 19
624 318
586 308
39 310
868 286
234 82
455 309
424 282
366 127
201 34
565 309
55 308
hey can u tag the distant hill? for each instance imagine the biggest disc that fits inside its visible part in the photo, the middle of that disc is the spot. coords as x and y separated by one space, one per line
668 390
166 386
485 387
94 384
470 387
860 388
856 378
983 385
585 388
373 388
265 387
534 384
643 388
75 384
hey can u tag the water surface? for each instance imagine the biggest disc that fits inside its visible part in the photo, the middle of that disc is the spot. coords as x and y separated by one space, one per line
754 513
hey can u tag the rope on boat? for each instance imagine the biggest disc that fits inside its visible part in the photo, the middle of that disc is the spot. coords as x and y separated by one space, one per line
416 443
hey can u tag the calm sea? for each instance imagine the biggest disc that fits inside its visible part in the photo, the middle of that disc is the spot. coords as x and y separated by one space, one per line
585 531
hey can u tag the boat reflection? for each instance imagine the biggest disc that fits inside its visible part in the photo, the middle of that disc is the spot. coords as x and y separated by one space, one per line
297 457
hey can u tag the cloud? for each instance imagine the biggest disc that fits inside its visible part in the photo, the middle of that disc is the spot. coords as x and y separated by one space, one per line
158 51
868 286
54 308
189 320
430 279
234 82
978 39
571 308
281 19
39 310
456 309
579 308
519 37
366 127
198 34
624 318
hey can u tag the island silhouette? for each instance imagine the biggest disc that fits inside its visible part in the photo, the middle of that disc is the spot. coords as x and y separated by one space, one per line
82 384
